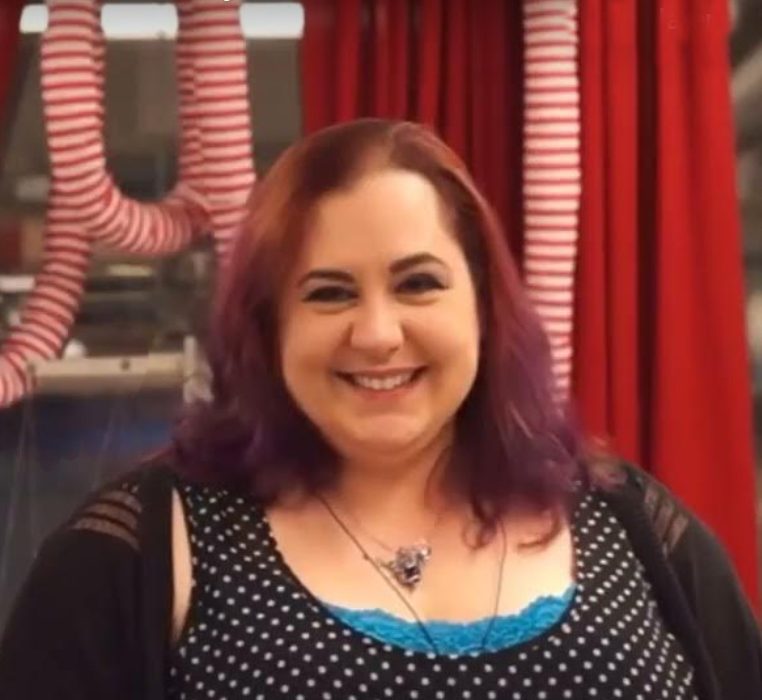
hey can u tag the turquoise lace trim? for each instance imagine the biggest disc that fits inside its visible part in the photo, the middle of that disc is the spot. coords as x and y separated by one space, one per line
457 637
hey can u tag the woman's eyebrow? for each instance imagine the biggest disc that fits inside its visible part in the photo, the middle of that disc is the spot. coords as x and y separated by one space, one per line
414 260
326 274
398 266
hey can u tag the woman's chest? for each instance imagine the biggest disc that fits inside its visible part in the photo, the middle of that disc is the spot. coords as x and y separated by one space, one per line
255 630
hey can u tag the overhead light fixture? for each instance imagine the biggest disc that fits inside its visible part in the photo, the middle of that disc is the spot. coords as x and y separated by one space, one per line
260 20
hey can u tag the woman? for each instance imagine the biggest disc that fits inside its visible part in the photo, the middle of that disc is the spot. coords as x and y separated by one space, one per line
383 497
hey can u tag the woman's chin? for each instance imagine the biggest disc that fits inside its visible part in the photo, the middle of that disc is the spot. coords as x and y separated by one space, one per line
385 442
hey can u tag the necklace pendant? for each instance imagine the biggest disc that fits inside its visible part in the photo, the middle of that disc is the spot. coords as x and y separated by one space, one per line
408 563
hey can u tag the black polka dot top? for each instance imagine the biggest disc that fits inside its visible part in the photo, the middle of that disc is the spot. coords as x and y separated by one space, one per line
253 631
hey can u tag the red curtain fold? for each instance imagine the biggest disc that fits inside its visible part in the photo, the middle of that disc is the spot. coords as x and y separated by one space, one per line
10 16
452 64
662 364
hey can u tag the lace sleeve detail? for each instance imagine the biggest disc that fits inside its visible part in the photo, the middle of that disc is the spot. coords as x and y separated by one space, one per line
114 511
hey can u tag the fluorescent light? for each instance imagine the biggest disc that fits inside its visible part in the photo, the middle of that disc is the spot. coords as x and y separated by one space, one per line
34 19
133 21
259 20
272 20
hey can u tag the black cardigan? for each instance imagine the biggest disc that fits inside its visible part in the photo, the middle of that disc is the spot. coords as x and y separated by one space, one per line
93 619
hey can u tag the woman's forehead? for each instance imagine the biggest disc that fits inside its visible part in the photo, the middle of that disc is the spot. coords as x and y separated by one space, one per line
385 215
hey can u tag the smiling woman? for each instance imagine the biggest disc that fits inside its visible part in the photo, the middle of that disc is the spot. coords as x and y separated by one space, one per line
369 249
384 496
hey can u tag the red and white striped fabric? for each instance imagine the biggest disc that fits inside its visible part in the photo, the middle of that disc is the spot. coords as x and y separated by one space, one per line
216 165
552 173
49 311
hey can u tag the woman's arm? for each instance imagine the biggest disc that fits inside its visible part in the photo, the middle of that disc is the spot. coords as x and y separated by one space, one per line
664 530
728 625
74 632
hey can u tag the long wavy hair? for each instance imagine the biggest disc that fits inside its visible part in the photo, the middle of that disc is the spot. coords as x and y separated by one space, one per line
513 436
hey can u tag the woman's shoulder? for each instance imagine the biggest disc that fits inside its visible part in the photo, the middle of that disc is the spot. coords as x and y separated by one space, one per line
641 500
121 509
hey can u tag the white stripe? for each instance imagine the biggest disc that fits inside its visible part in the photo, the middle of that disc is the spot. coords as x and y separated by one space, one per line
552 112
559 52
558 97
532 190
70 123
542 175
560 353
562 69
539 266
562 82
232 152
60 111
554 312
547 281
39 347
234 183
551 205
557 23
568 160
536 248
569 220
563 366
568 7
557 127
548 144
557 327
543 36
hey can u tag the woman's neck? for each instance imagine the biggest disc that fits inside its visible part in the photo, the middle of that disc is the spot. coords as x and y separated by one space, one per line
395 499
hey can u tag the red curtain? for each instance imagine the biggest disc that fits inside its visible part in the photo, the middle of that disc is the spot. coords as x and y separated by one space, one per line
452 64
660 344
10 15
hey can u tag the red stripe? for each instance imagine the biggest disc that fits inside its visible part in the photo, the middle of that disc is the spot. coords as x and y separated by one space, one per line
529 179
74 131
549 119
71 7
67 148
65 321
44 292
552 151
47 279
55 121
48 55
42 319
84 102
79 266
88 84
548 90
24 345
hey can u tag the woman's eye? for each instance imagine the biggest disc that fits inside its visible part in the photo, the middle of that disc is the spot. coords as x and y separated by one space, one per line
420 283
329 294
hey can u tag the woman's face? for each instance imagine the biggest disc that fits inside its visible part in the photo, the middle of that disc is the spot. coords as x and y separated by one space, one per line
378 322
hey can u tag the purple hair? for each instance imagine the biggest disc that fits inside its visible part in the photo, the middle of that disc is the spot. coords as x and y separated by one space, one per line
513 439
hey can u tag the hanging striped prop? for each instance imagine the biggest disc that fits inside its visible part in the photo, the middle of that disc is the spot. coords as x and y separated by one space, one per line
216 171
552 172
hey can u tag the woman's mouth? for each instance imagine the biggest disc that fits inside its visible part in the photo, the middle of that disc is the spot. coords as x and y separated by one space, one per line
382 384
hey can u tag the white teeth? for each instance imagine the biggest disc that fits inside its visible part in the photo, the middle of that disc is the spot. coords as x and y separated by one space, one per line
384 384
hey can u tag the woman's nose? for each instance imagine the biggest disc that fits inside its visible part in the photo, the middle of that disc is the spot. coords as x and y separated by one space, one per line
377 329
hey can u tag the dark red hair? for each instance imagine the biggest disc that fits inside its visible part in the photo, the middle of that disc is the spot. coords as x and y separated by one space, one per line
513 438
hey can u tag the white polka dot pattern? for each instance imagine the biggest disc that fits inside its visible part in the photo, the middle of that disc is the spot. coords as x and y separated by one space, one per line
254 632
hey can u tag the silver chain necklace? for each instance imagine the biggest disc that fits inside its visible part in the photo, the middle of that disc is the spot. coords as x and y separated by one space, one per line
381 568
408 561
